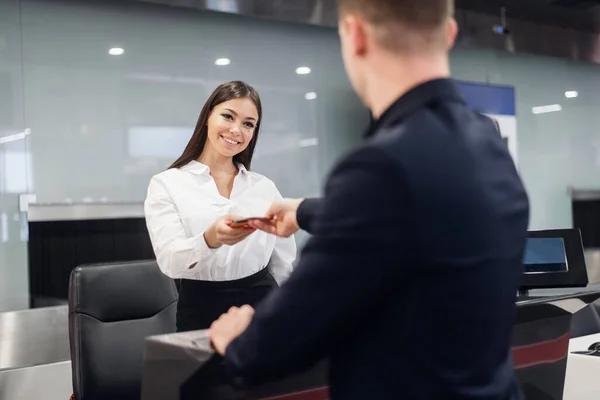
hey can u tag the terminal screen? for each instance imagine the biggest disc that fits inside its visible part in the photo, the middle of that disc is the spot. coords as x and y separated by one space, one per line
545 255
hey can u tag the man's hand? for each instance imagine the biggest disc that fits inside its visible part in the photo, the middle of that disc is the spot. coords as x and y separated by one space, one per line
284 222
229 326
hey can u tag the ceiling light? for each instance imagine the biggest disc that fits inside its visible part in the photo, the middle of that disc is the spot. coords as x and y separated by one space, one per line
222 62
303 70
546 109
116 51
310 96
571 94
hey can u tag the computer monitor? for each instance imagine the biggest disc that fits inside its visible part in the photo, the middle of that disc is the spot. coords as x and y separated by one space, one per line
545 255
554 259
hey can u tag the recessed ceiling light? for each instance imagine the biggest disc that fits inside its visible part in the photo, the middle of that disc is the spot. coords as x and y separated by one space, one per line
571 94
546 109
116 51
303 70
222 62
310 96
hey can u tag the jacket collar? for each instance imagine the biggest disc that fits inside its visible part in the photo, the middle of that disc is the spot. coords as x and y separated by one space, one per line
436 90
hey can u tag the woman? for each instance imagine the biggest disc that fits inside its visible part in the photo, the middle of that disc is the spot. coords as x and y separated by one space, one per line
190 207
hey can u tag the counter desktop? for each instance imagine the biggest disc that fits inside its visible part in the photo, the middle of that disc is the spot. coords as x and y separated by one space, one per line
184 366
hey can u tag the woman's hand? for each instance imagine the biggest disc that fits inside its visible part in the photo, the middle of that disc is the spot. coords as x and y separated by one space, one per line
221 233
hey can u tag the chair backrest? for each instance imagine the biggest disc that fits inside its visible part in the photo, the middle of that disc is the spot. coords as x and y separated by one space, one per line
112 309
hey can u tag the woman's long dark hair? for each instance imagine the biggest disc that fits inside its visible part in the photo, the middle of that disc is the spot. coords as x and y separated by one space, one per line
225 92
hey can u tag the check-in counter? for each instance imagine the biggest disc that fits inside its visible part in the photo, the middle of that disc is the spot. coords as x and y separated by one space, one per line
183 365
583 368
34 354
540 345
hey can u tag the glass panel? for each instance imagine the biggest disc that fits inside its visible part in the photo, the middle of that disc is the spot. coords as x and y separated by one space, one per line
14 158
104 124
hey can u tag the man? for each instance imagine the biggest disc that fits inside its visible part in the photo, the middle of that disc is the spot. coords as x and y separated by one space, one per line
408 284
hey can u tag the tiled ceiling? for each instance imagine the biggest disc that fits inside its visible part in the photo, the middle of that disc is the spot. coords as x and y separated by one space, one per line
573 14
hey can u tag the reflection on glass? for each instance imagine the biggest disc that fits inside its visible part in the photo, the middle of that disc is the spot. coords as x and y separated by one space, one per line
4 220
157 141
223 5
309 142
14 137
16 176
24 230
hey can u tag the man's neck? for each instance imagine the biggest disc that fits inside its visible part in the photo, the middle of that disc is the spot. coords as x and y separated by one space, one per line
392 77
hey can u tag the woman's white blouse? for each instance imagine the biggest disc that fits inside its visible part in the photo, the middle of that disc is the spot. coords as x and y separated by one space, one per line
182 203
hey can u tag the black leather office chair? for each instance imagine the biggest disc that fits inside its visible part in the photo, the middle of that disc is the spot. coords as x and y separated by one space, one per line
112 308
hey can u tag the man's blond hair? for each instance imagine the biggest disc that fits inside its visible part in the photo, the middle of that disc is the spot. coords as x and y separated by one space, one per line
402 25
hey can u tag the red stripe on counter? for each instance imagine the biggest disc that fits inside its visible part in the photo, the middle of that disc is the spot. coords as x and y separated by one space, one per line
541 353
524 356
321 393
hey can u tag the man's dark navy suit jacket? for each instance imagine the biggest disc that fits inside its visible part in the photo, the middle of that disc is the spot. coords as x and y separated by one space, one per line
408 284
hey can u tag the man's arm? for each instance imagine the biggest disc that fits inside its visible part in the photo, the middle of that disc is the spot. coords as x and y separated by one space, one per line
308 212
360 241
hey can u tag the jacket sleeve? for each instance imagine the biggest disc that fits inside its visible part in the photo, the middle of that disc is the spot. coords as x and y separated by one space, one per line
344 272
177 254
308 212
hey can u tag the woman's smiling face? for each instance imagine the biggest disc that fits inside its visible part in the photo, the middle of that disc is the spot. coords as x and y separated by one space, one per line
231 126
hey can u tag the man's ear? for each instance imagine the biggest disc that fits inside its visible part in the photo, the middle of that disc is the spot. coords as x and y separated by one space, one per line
353 30
451 32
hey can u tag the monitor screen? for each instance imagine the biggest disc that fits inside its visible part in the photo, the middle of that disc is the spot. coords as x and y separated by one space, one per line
545 255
